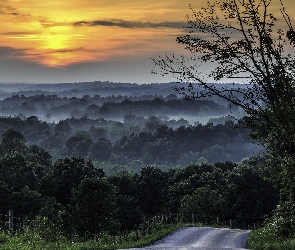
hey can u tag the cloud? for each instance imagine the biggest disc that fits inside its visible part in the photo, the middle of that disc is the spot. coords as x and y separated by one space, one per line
19 33
129 24
65 50
22 54
8 10
48 23
9 52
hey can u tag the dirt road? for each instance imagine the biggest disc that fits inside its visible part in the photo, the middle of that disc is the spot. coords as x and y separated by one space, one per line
202 238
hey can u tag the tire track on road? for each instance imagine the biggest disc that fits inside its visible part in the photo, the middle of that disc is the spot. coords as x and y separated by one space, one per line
202 238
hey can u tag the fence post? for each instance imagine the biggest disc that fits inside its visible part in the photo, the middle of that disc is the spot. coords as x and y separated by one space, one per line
193 219
230 223
217 220
148 226
10 221
25 222
177 219
142 228
120 237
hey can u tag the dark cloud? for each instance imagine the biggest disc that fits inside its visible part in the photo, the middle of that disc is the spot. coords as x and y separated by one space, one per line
65 50
9 52
130 24
4 9
47 23
19 33
8 10
28 54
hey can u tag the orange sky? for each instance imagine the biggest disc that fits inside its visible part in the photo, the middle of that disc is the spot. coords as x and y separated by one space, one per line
43 40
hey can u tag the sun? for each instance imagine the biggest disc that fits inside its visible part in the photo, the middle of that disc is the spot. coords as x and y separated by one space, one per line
56 37
56 45
54 42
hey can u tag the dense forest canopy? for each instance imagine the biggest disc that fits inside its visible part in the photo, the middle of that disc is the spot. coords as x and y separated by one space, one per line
143 154
74 196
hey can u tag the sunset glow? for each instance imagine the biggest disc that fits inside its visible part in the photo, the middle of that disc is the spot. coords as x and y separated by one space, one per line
58 33
61 33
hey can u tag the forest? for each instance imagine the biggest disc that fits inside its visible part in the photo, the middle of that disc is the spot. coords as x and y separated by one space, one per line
118 132
85 160
91 164
79 198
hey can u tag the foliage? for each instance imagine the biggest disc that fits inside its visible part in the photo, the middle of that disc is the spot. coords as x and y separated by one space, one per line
67 174
151 189
93 206
243 39
121 144
203 199
31 239
266 238
74 198
240 38
12 141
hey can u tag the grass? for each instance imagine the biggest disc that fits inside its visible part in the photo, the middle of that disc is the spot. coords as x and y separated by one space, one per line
266 239
31 240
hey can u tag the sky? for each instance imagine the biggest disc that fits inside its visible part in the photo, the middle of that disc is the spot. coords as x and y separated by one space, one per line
90 40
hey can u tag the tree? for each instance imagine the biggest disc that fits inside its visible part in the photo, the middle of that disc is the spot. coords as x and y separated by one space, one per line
63 127
243 39
17 172
13 141
39 156
251 197
82 147
51 142
101 150
128 210
93 205
152 186
73 142
5 196
67 174
26 202
204 204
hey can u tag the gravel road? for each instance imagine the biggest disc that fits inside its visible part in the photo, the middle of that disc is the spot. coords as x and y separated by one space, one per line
202 238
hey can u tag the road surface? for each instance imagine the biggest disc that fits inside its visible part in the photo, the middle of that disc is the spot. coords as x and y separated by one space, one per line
202 238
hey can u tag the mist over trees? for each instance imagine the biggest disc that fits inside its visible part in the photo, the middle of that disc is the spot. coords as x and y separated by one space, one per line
97 158
121 129
112 160
101 100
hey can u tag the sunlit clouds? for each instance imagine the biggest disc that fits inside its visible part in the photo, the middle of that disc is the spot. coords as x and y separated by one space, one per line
59 33
64 33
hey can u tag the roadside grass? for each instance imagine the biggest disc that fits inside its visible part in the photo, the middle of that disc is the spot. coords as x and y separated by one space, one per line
32 240
266 239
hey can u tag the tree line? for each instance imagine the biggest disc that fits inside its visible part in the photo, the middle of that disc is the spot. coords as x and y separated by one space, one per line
53 107
148 140
76 197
